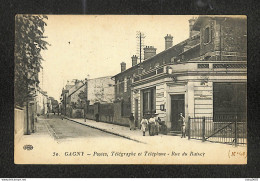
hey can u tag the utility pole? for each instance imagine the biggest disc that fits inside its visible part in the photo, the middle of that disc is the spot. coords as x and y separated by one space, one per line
140 44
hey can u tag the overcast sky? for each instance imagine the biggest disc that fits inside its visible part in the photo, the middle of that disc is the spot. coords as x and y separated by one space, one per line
95 45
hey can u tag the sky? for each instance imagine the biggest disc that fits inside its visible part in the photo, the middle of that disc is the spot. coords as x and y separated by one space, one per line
91 46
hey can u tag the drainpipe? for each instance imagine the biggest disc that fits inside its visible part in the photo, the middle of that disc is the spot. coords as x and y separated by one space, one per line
220 42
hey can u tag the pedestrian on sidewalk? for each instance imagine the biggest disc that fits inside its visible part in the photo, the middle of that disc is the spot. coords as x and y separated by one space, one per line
144 124
183 125
157 124
97 117
152 125
131 121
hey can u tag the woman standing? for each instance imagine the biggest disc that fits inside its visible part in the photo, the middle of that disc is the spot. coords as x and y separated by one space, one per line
144 124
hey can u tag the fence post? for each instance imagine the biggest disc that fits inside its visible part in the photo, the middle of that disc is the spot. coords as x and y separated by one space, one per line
189 127
203 129
236 131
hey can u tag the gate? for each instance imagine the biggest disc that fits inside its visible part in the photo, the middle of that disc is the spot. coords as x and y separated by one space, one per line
228 130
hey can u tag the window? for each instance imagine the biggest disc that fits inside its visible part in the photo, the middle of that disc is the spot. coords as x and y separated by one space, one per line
229 101
149 101
125 84
117 86
207 35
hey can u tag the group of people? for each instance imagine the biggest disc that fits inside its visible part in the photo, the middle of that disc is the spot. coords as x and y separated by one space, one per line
151 123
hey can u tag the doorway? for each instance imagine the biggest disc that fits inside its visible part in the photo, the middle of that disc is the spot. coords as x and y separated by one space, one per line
177 107
136 113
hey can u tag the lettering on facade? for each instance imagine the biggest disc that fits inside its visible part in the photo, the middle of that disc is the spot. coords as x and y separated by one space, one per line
160 94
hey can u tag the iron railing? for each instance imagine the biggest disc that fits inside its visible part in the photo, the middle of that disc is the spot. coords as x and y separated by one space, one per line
228 132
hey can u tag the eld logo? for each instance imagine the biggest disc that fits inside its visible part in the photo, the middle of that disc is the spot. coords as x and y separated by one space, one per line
28 147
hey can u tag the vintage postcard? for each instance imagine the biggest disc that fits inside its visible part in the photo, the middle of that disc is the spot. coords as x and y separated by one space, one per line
130 89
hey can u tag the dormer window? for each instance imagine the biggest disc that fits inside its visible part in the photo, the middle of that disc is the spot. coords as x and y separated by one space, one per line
207 35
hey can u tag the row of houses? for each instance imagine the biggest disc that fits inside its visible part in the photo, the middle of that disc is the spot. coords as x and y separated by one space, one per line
204 75
39 105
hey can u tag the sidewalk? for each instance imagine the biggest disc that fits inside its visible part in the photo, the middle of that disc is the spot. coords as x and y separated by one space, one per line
122 131
39 139
137 135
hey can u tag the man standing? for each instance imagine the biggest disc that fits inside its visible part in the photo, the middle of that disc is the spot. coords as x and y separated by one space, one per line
131 122
97 117
183 125
157 124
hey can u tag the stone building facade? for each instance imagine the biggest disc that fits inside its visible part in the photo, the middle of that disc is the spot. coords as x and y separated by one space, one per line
95 90
100 90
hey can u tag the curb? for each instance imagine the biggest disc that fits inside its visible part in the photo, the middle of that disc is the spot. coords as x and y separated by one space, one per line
106 131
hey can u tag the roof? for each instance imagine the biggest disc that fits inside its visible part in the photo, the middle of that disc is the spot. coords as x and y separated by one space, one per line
159 54
191 48
99 77
76 89
200 19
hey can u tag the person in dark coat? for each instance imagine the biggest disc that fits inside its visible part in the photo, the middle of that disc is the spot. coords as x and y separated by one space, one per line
131 122
97 117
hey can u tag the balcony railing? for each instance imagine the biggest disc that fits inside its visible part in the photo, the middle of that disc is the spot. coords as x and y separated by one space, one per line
221 56
196 67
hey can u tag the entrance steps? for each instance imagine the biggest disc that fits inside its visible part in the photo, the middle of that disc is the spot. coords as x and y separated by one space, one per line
174 133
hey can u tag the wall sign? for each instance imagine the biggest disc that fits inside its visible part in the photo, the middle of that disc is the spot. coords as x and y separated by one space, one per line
161 94
162 107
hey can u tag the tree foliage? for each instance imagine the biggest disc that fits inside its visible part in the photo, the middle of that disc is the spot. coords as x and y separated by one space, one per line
29 42
82 98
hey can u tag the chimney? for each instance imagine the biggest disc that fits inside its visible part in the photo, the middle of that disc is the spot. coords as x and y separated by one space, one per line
149 51
191 23
76 81
168 41
123 66
134 60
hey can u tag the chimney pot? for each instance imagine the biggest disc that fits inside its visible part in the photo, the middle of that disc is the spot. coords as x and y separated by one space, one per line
149 51
123 66
134 60
168 41
191 23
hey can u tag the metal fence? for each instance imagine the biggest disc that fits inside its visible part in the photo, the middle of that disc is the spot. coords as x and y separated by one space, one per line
228 131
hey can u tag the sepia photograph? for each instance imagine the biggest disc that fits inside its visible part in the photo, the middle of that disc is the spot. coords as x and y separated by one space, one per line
130 89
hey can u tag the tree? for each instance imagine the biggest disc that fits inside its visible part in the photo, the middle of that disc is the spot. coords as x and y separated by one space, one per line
29 42
99 94
82 98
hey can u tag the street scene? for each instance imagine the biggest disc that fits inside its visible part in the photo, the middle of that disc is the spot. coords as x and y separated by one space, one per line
175 87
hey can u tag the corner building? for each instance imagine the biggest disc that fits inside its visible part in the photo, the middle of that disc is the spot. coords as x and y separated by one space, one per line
205 75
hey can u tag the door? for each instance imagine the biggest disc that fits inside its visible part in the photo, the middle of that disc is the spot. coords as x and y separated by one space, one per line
177 107
136 113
